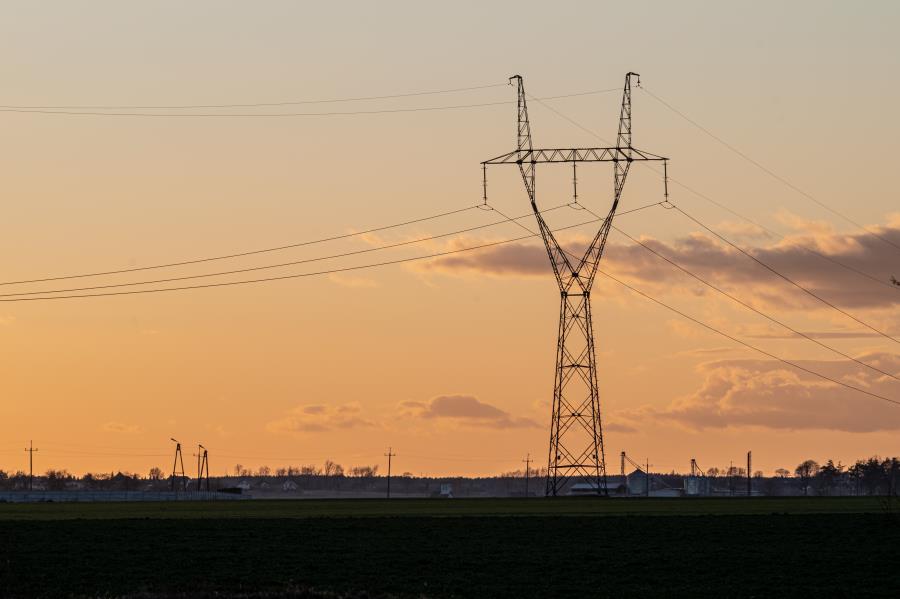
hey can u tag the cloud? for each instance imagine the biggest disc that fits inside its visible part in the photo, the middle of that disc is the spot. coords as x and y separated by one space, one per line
118 427
512 259
769 394
320 418
614 426
464 409
725 266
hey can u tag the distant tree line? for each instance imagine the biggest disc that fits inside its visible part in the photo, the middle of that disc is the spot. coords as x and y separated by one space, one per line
872 476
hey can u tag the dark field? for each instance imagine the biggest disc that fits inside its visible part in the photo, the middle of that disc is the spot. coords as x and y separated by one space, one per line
458 548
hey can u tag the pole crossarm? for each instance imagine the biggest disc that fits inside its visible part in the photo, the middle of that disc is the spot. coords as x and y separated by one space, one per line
569 155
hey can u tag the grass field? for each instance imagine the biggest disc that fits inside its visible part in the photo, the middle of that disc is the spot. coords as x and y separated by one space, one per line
458 548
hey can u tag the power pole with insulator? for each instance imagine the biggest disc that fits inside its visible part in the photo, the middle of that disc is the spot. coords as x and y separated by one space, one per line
749 476
389 455
30 450
178 458
527 461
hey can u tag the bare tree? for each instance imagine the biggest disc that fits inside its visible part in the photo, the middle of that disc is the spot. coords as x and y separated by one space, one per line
782 473
155 473
364 471
806 470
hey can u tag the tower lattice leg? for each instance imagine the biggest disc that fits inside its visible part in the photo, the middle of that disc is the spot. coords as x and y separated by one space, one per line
576 434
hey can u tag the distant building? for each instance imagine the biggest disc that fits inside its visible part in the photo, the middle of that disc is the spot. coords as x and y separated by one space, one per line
289 485
447 490
695 486
614 486
637 483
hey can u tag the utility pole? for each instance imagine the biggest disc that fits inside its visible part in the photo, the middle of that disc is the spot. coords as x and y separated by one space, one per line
622 469
202 466
178 458
749 476
731 477
31 449
576 433
527 461
648 477
389 455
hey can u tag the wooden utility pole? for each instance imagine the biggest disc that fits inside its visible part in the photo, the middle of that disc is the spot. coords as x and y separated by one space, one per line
648 477
30 449
527 461
731 477
389 455
749 475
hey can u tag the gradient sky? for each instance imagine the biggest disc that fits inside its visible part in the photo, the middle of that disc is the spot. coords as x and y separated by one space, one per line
450 361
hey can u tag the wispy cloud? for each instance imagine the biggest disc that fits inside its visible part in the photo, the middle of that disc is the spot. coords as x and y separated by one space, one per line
464 409
316 418
719 263
118 427
769 394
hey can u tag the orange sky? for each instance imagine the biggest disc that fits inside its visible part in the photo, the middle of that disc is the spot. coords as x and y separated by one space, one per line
450 362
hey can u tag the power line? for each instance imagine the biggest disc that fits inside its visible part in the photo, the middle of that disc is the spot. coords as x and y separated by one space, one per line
726 294
287 114
726 208
768 171
256 104
787 279
709 327
743 303
280 265
242 254
751 308
748 345
781 237
309 274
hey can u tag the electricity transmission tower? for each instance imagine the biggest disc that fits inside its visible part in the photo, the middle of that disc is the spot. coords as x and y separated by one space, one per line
576 433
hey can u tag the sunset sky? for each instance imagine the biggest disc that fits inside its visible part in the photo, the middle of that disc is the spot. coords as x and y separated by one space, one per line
448 361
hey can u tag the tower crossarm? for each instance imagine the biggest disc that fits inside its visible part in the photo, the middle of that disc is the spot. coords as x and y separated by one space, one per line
569 155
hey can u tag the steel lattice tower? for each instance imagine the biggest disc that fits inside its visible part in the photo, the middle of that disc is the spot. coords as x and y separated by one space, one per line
576 432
